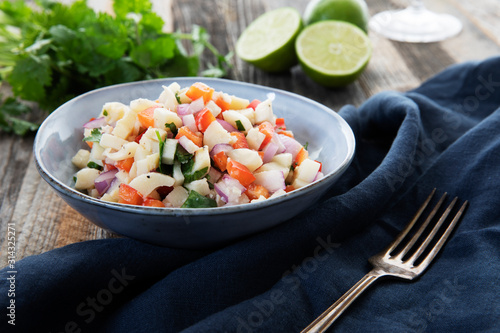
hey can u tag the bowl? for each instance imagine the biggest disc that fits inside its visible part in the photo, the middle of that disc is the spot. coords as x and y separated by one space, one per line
330 140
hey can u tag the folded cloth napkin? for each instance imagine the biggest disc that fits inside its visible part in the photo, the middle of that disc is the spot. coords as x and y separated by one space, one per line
444 134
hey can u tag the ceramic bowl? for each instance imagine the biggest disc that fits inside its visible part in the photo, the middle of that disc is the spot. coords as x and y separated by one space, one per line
330 140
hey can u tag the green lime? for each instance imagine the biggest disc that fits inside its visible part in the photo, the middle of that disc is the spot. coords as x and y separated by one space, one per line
268 42
333 53
352 11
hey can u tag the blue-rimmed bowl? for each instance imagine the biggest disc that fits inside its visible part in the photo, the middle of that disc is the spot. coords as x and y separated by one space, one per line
330 140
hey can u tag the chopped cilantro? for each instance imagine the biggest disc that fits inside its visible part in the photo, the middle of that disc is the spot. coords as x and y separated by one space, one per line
95 136
190 176
105 113
196 200
162 145
94 165
182 155
306 145
172 128
239 125
177 97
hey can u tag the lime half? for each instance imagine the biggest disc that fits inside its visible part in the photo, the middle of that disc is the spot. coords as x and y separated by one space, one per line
352 11
333 53
268 42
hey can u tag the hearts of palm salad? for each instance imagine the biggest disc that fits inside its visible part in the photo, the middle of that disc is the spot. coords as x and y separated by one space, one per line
193 147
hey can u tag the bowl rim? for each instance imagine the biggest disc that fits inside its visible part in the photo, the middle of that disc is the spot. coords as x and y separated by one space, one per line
171 211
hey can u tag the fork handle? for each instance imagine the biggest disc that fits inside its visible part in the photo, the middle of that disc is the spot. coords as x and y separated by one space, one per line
324 320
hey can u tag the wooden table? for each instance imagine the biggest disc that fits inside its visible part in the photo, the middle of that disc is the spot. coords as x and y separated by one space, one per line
42 221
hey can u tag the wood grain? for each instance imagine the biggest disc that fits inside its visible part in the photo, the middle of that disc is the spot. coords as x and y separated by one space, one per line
43 221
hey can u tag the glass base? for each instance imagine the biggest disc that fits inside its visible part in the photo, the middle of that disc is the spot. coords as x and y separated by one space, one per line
415 24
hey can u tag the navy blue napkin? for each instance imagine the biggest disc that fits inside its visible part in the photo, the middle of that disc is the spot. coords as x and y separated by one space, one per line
444 134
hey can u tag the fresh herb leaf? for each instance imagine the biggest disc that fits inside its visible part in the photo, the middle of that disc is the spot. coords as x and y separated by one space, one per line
177 97
105 113
182 155
10 111
94 165
306 145
196 200
162 145
95 136
172 128
191 176
239 125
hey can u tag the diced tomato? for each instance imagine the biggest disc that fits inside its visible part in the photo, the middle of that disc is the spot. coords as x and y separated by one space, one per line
146 117
320 165
108 167
150 202
289 188
241 140
301 156
287 133
222 103
280 124
253 104
129 195
138 137
197 138
203 119
125 164
220 160
267 129
198 90
254 191
240 172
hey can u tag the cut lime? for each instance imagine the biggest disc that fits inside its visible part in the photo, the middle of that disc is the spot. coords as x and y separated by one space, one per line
268 42
333 53
352 11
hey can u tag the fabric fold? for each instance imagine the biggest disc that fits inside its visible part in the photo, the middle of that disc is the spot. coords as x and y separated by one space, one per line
444 134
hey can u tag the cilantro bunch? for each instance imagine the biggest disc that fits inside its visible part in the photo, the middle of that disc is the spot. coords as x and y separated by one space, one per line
55 52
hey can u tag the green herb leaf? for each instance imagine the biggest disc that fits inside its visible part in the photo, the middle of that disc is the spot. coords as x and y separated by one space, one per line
239 125
95 136
191 176
172 128
10 111
94 165
196 200
162 145
182 155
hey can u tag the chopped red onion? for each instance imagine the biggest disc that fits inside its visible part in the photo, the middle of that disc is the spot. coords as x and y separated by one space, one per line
269 151
318 176
189 121
292 146
225 147
196 105
96 123
227 126
103 181
276 139
183 109
214 175
272 180
229 189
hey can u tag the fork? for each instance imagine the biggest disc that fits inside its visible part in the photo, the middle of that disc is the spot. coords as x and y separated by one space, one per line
401 263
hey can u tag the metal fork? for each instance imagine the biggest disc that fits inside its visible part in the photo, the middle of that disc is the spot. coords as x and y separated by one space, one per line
402 263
